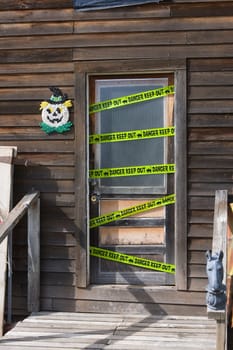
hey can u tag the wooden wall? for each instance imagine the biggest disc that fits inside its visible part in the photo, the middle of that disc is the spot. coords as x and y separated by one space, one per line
40 42
210 127
36 53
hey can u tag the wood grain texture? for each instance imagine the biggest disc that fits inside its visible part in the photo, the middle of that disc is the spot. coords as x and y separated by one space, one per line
6 187
181 182
33 291
98 331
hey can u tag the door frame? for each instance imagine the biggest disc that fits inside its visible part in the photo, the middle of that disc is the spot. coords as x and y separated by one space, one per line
82 72
101 271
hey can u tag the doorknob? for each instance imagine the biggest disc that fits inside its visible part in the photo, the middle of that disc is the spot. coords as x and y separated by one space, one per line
94 198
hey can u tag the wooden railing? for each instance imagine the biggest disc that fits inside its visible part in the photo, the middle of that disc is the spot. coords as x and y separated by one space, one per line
30 203
219 244
223 240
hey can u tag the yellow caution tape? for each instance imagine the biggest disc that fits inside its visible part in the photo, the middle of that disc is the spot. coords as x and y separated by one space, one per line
130 99
132 171
131 135
131 260
119 214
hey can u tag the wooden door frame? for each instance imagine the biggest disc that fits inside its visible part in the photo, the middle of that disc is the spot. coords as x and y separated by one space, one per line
82 71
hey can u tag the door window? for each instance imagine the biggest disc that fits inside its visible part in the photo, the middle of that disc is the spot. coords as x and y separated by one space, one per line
139 116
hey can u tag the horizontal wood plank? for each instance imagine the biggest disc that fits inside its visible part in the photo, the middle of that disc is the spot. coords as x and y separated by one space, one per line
211 148
177 52
204 189
210 120
204 203
163 295
201 216
27 4
210 65
92 306
162 24
36 15
46 67
42 146
19 29
36 56
218 175
35 80
212 160
199 9
200 230
96 331
219 78
38 40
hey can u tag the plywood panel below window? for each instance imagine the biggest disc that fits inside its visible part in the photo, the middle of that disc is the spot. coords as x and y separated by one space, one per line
131 235
108 206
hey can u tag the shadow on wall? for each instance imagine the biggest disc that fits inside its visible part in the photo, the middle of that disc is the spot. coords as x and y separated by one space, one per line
58 241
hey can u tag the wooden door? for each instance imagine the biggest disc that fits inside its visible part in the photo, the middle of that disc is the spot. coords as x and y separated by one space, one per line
148 234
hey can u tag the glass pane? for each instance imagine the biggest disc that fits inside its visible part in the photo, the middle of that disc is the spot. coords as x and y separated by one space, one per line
143 115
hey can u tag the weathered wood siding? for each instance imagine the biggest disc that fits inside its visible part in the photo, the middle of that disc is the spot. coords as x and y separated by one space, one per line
40 42
31 61
210 120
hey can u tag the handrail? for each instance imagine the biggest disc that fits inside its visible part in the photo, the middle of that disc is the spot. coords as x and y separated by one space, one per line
16 214
219 244
30 203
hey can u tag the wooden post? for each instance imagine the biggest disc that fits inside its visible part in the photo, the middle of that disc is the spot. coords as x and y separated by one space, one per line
220 318
219 243
181 184
221 335
220 225
34 256
6 171
230 273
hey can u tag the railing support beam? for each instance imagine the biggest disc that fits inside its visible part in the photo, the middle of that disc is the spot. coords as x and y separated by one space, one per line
29 203
34 256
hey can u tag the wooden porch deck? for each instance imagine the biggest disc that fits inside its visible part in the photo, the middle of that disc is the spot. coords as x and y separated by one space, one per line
73 331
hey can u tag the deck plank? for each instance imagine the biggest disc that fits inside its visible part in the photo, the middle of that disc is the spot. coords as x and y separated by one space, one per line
56 331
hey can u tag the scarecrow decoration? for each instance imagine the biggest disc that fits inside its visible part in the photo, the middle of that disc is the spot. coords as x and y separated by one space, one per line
55 113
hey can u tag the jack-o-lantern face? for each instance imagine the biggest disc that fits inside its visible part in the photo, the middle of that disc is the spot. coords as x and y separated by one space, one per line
55 115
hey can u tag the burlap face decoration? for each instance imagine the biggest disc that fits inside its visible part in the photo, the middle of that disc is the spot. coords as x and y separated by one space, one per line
55 113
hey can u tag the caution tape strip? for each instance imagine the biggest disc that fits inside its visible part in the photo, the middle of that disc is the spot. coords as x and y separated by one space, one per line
132 171
131 135
123 213
131 99
131 260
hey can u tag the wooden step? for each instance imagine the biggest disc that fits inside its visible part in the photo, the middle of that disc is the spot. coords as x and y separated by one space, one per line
58 330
